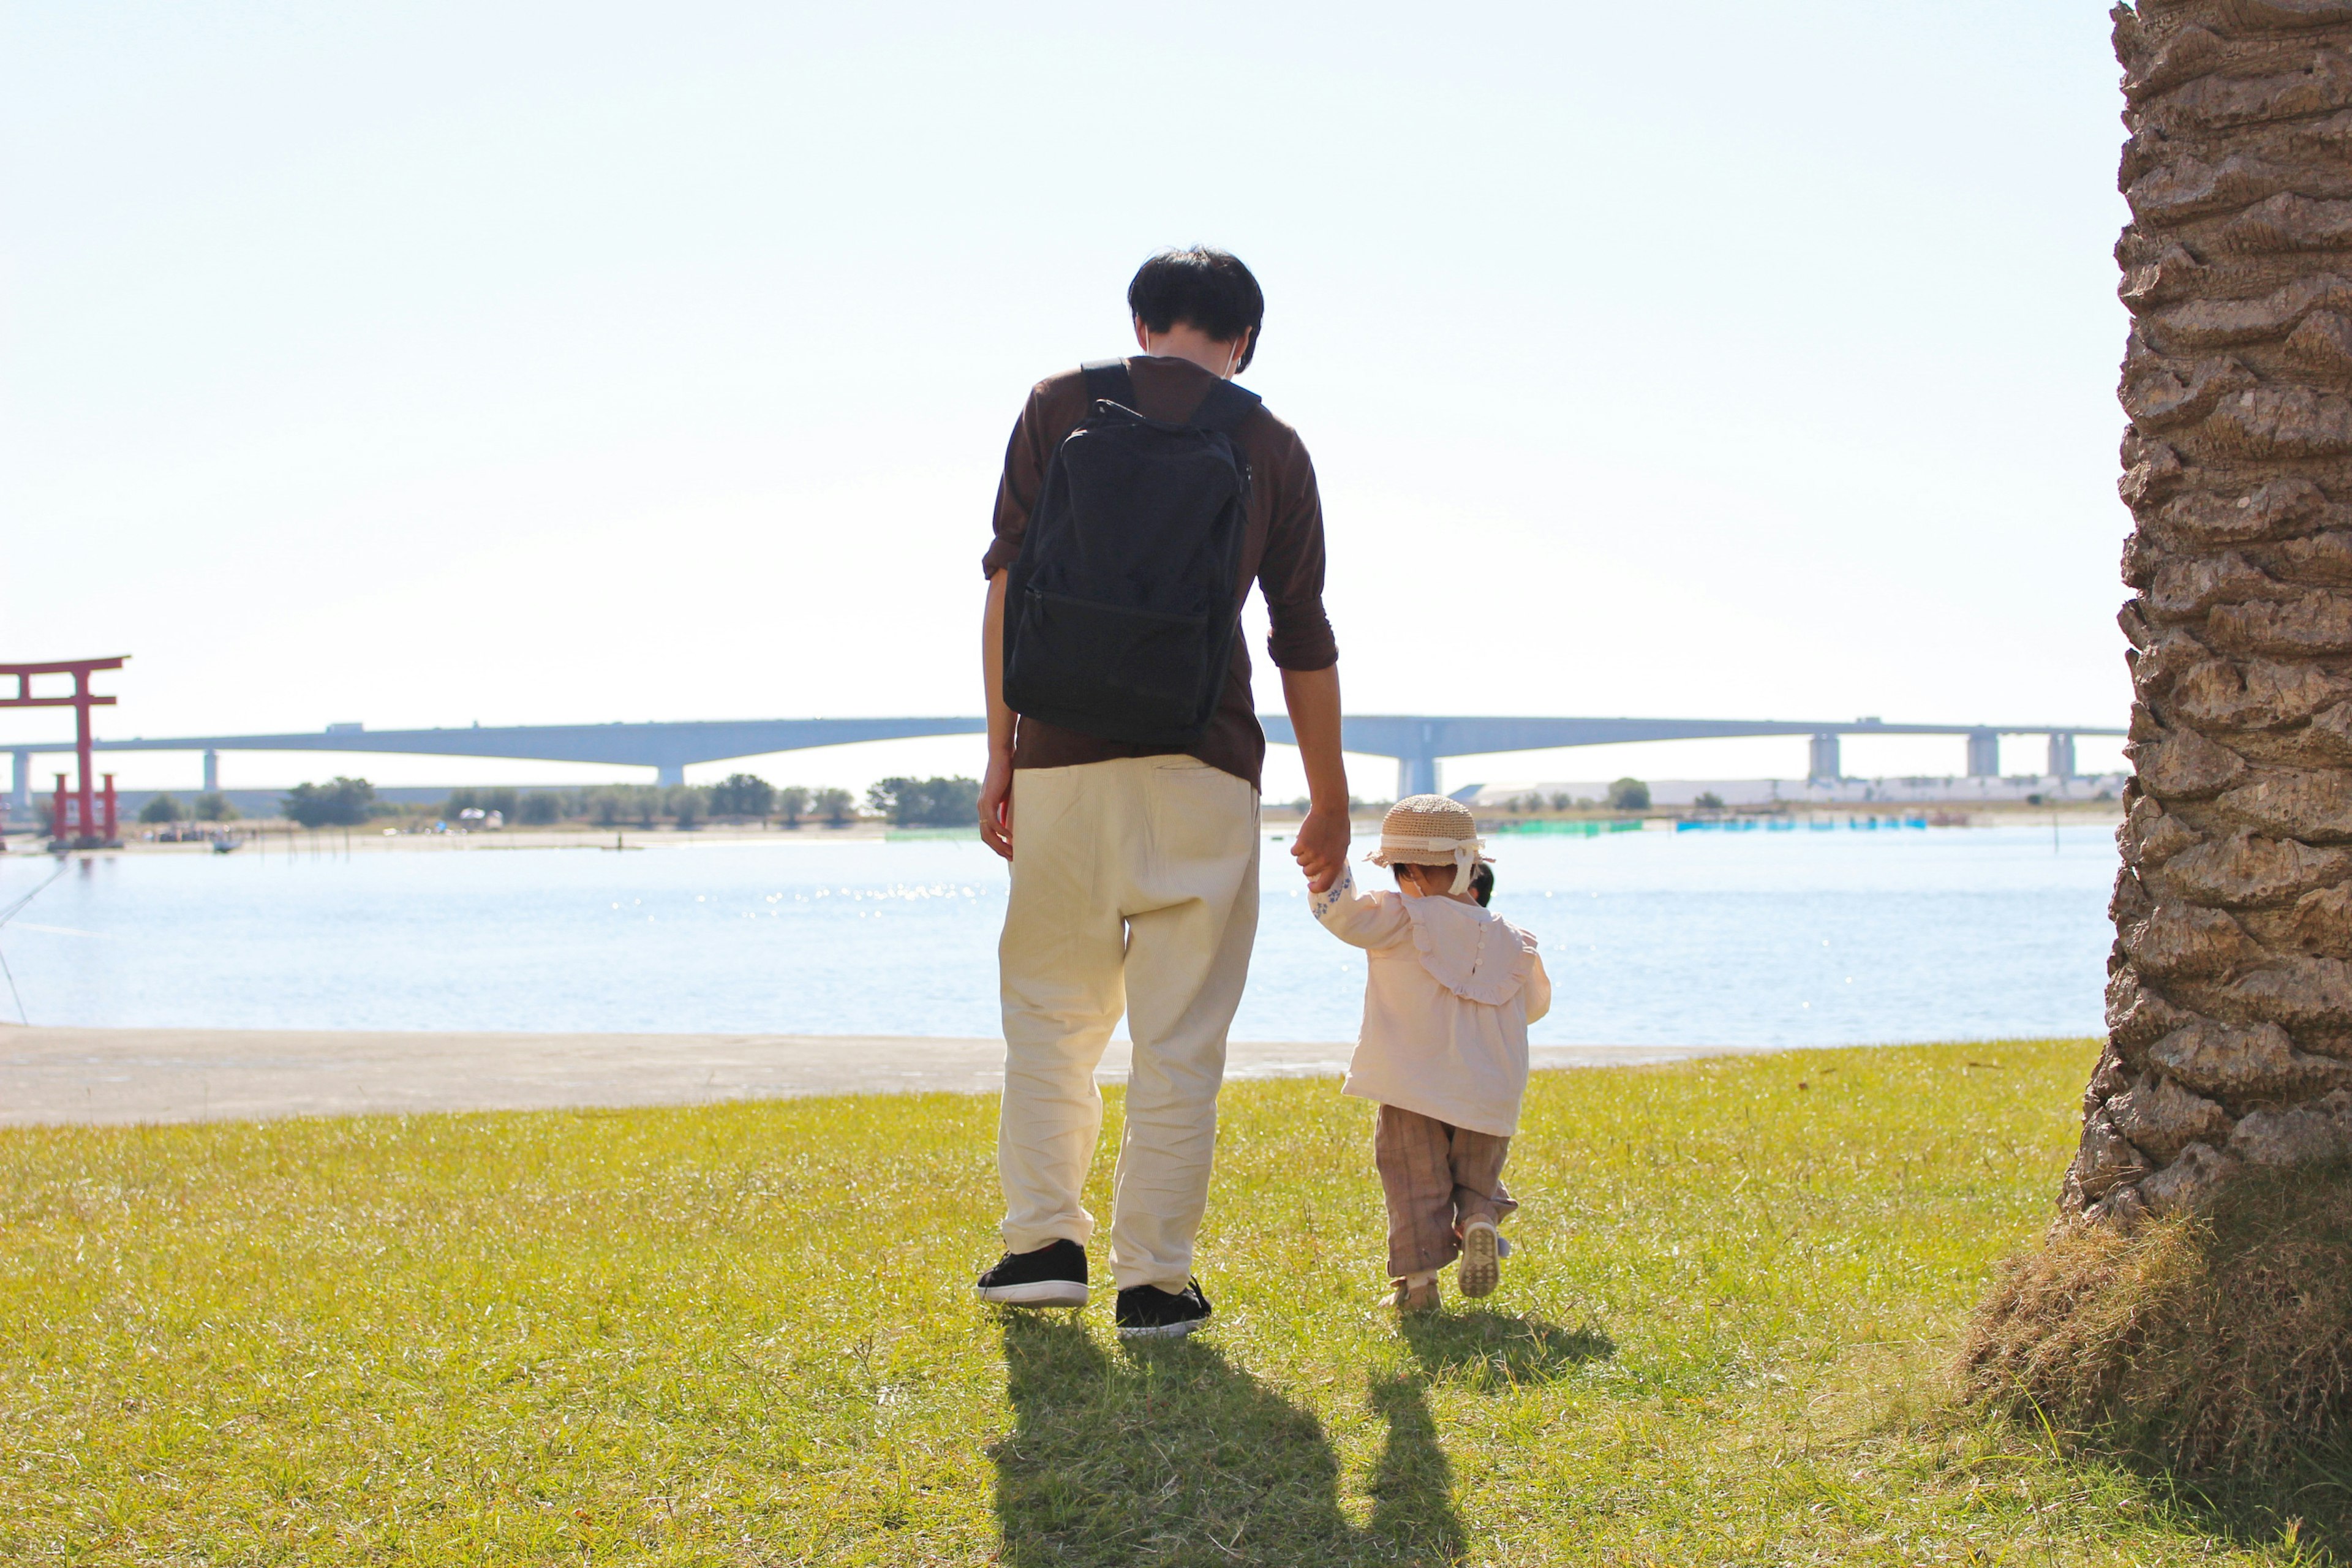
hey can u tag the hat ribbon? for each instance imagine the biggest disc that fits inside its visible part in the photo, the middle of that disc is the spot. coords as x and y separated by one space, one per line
1464 850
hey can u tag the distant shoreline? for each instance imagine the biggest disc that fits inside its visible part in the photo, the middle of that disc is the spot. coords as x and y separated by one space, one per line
55 1077
277 836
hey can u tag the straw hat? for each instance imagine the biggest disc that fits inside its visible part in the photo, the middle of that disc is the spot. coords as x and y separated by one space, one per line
1430 830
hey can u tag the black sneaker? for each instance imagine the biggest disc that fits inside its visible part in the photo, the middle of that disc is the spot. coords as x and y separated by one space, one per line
1053 1276
1148 1309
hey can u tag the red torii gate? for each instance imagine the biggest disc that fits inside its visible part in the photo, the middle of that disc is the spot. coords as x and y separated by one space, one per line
82 703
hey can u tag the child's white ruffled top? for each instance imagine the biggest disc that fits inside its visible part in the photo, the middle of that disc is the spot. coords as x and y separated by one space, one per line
1450 992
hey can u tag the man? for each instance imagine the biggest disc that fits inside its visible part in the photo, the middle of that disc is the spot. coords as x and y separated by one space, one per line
1135 863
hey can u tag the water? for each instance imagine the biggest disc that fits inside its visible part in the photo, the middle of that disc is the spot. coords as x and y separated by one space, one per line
1785 938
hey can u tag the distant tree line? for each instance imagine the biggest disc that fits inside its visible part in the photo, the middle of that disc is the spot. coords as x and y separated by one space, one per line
1624 794
337 803
1356 806
926 803
210 806
738 798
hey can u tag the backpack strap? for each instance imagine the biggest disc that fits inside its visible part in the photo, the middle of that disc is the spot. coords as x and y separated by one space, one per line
1107 380
1224 408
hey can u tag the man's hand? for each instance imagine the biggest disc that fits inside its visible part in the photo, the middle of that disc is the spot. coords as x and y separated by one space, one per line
996 785
996 805
1321 846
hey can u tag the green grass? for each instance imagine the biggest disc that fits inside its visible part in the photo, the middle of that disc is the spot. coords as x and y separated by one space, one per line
743 1334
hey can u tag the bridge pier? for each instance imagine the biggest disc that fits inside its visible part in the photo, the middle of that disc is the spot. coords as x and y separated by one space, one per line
1984 754
1825 766
2062 755
669 775
212 771
1416 775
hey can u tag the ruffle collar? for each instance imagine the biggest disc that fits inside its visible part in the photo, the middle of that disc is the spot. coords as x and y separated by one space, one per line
1473 952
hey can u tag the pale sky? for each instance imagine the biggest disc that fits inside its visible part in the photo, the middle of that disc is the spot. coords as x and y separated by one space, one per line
423 364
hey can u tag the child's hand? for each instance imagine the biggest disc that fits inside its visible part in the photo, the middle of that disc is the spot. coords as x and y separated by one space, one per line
1342 890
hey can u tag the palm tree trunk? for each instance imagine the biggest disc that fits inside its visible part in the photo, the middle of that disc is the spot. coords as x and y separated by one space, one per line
2229 992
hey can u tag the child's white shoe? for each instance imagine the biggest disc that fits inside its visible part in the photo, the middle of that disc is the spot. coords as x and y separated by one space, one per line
1482 1247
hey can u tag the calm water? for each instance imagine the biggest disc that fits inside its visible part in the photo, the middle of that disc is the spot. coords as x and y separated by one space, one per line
1651 938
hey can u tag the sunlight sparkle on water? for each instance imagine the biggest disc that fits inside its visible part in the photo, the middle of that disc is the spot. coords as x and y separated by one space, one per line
1651 938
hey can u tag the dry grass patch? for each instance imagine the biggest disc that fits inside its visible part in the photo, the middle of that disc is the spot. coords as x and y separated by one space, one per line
2217 1342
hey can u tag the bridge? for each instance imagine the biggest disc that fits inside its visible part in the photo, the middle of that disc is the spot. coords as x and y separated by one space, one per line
1416 741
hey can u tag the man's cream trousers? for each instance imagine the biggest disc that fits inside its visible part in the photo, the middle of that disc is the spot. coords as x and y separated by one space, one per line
1134 889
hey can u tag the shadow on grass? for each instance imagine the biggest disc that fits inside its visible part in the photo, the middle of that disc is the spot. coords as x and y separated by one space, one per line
1165 1453
1412 1485
1490 1350
2307 1503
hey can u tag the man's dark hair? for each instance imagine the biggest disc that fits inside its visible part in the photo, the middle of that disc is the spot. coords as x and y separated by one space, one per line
1206 289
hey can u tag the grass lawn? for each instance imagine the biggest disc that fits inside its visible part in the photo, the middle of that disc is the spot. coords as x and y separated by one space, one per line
744 1334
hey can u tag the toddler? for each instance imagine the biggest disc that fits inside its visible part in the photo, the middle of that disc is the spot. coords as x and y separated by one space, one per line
1449 991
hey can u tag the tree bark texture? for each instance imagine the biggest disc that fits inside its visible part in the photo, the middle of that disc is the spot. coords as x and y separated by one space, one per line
2229 986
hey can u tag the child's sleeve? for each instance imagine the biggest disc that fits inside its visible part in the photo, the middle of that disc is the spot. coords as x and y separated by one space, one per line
1538 990
1355 919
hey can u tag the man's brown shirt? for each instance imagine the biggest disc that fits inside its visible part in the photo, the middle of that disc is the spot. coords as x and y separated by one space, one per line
1282 552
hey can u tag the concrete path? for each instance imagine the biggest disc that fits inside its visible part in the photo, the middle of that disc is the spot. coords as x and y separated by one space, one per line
51 1076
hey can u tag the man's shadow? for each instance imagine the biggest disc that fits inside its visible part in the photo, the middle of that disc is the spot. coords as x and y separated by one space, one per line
1163 1452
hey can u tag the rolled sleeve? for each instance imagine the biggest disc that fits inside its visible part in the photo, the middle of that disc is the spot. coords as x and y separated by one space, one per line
1026 453
1291 577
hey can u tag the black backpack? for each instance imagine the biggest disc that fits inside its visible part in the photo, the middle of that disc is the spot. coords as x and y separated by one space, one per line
1121 609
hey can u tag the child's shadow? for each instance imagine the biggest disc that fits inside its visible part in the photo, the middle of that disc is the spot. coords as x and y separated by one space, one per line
1412 1485
1491 1350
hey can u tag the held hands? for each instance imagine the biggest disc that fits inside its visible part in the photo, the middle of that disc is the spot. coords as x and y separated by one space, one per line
1321 847
996 805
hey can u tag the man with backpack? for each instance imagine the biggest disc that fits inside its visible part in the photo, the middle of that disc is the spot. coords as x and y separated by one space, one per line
1140 499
